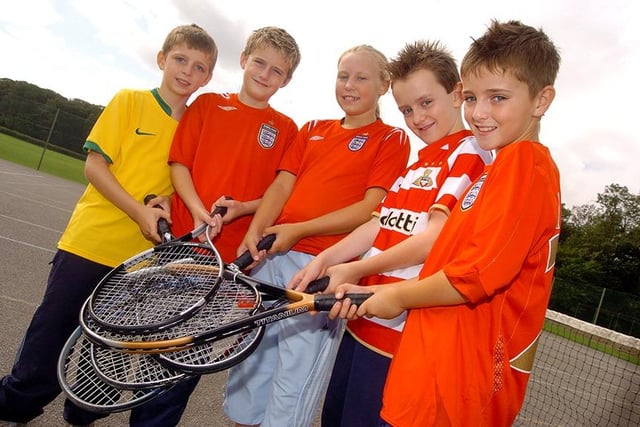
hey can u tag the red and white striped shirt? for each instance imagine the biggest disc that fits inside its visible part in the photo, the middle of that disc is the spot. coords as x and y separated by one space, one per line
443 171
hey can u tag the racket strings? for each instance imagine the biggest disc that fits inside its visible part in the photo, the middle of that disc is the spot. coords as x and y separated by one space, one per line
131 371
156 288
85 388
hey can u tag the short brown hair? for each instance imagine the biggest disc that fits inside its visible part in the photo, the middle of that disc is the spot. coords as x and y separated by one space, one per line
278 39
195 38
513 47
426 55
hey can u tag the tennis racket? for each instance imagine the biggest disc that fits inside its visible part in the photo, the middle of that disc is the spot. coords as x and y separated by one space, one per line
83 385
234 310
167 275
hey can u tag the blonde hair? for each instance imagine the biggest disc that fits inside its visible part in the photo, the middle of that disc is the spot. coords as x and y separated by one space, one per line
278 39
525 52
380 59
195 38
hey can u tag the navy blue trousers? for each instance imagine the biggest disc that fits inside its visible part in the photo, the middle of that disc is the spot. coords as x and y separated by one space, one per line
33 382
354 394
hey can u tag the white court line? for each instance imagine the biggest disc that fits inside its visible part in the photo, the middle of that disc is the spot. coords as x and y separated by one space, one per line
21 301
27 244
17 196
21 174
31 224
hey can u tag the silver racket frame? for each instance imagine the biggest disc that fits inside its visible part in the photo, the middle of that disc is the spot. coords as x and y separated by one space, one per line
81 383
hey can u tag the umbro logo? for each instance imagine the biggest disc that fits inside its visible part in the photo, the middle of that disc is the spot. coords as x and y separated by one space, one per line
139 132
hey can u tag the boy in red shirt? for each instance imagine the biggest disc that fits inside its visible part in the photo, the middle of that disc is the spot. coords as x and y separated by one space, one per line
478 305
230 145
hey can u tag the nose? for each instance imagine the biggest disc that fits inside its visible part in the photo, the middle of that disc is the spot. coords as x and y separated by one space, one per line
480 110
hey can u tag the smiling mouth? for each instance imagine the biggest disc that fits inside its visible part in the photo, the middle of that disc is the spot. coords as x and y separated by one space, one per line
425 127
486 128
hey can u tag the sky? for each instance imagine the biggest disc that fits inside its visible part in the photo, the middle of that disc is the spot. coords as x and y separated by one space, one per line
89 49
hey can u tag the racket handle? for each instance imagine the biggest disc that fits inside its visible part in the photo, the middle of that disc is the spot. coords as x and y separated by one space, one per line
325 302
164 229
317 285
245 260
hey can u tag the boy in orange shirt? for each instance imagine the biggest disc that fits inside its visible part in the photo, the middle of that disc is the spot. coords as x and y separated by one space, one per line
478 306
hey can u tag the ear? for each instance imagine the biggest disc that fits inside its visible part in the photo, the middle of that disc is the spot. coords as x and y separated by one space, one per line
160 60
385 87
543 100
286 82
456 93
243 60
207 80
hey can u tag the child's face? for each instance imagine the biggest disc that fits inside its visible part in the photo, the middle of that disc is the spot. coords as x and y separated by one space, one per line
358 84
429 111
185 70
499 109
265 71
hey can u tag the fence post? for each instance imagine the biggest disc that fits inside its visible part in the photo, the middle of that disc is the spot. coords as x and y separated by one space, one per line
595 317
46 143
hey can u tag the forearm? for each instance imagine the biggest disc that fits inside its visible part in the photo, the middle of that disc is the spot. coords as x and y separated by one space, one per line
411 251
183 185
353 245
99 175
435 290
272 202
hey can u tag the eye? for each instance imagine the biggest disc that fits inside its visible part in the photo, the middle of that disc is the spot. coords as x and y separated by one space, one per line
405 111
498 98
469 98
425 103
201 68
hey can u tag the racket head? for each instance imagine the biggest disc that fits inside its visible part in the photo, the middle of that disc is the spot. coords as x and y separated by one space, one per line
157 288
233 301
131 371
85 388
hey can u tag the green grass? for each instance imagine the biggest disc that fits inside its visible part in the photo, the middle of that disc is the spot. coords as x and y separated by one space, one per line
602 345
24 153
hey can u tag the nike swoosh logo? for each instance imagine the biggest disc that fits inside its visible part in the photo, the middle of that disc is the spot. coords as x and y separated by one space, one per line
139 132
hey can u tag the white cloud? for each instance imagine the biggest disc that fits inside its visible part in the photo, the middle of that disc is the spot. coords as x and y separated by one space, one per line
90 49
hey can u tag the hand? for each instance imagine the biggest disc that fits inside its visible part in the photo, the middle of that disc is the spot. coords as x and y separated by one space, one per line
204 217
287 235
235 208
311 271
384 303
339 274
250 243
147 221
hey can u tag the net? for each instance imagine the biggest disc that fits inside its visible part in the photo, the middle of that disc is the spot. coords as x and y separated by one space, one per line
583 375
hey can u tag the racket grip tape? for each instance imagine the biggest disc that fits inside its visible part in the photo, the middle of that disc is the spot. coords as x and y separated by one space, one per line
325 302
317 285
245 260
